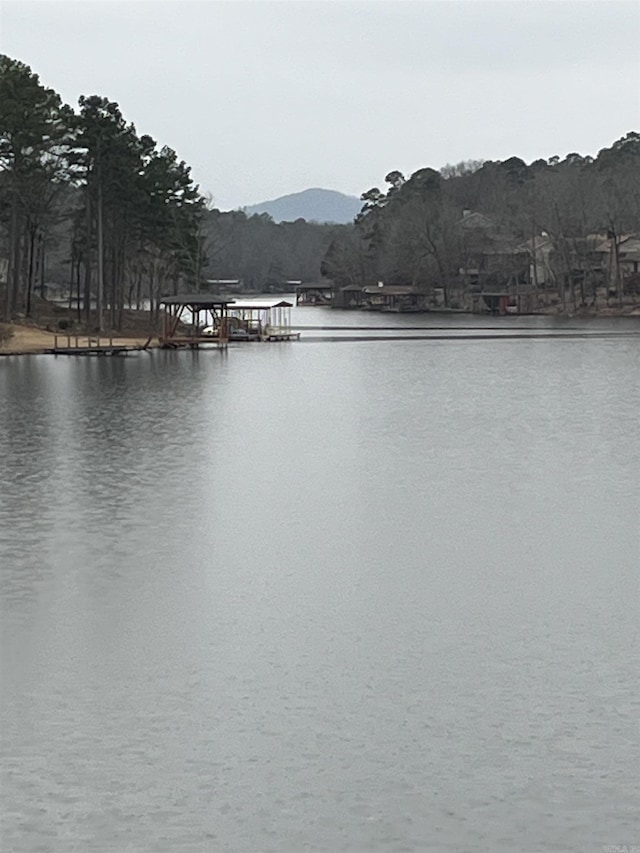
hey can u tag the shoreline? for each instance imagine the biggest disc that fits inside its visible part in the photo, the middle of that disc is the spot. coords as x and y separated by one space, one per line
31 339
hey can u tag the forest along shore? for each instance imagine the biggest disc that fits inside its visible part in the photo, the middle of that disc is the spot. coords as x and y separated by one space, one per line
548 233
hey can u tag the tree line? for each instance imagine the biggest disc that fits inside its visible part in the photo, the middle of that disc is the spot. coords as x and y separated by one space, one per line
264 254
418 231
88 203
127 210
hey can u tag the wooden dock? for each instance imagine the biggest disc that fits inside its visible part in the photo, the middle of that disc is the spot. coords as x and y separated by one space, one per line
194 342
93 345
219 341
281 335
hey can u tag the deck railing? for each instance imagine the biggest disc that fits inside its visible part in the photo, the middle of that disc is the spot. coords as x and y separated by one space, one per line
82 341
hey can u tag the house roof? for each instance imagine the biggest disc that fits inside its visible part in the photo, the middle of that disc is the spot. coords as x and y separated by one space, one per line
475 219
627 244
537 242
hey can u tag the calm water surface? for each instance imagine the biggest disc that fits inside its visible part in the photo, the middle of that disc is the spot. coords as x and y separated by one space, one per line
347 596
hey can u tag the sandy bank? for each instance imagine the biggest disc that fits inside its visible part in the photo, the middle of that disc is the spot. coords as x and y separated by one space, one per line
32 340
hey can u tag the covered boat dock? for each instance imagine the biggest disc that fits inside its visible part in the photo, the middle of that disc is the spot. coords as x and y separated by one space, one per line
314 294
192 320
255 320
187 316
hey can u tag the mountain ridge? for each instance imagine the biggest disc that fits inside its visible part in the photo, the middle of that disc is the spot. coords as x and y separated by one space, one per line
314 204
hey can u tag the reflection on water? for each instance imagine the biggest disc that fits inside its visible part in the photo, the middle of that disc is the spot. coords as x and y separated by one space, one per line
370 596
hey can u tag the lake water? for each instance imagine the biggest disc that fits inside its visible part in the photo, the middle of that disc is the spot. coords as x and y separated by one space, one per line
323 596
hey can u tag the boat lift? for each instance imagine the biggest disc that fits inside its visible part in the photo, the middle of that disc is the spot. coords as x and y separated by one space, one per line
260 320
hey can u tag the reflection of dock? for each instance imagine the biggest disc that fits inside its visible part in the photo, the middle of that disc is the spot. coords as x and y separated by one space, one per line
93 345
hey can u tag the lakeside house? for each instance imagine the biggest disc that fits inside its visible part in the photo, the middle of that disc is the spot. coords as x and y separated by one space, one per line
494 270
495 263
491 258
619 260
629 254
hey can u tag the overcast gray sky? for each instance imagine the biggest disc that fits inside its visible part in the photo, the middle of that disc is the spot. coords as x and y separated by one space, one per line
265 98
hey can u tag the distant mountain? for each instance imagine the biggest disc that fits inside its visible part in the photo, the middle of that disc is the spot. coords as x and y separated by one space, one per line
314 205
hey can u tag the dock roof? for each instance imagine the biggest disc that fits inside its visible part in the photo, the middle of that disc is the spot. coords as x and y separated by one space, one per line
261 306
390 290
196 300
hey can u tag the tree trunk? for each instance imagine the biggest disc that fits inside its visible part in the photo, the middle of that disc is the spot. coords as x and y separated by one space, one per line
78 291
32 242
536 282
100 291
43 258
21 293
87 266
71 283
38 275
120 287
14 254
618 278
151 295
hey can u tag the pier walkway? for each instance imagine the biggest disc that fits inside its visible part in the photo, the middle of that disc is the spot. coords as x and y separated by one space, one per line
94 345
